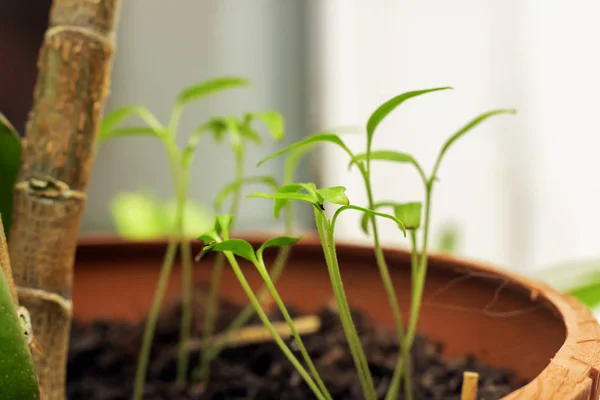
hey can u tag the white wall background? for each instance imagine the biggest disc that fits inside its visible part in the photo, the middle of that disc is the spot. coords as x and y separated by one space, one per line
523 188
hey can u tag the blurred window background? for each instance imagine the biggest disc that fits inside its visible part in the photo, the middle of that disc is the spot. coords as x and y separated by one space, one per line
519 191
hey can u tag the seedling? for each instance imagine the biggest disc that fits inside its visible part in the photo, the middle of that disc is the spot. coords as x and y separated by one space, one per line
308 193
234 189
180 160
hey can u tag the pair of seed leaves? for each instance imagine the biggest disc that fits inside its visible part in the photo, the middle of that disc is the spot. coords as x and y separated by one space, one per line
308 193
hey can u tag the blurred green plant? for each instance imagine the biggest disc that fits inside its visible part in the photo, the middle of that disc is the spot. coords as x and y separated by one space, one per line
10 161
581 279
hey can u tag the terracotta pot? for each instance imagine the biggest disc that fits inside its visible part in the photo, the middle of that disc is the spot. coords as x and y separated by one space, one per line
503 319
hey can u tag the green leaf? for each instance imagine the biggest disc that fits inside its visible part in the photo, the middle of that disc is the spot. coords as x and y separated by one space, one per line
114 118
223 223
588 295
364 221
18 378
197 217
138 216
239 247
386 108
321 137
129 131
204 89
409 214
370 212
461 132
10 162
208 237
448 238
279 241
291 163
334 195
233 186
285 197
273 120
389 155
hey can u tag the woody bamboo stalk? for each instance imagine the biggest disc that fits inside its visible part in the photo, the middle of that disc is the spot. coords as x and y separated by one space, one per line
74 66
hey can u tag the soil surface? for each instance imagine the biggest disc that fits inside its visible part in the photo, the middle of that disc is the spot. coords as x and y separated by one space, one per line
103 357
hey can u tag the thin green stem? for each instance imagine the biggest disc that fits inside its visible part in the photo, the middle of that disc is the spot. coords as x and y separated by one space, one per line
286 315
421 273
388 286
203 370
356 349
144 356
414 263
265 320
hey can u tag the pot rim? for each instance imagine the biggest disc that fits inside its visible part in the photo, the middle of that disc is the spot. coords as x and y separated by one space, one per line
572 372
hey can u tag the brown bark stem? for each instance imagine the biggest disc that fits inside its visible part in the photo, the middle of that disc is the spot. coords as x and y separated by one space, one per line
75 62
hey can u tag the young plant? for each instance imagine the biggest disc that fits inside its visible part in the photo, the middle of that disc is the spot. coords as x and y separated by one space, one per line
307 192
180 161
412 211
365 171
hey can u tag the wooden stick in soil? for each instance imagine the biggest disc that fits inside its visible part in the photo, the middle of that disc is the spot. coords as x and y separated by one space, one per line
469 386
74 63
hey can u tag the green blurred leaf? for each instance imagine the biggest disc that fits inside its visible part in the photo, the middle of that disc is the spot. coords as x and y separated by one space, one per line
239 247
279 241
130 131
230 188
389 155
321 137
138 216
10 162
409 214
284 197
206 88
18 379
589 295
223 223
449 238
334 195
197 217
386 108
370 212
273 121
112 120
364 220
461 132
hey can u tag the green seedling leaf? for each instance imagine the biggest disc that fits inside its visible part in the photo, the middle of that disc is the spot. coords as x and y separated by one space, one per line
10 161
130 131
233 186
197 217
461 132
239 247
409 214
370 212
209 237
204 89
114 118
272 119
334 195
386 108
18 378
449 238
281 199
218 126
222 224
292 161
389 155
364 221
321 137
279 241
138 216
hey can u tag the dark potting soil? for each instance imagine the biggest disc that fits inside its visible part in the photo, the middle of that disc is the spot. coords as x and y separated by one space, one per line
103 357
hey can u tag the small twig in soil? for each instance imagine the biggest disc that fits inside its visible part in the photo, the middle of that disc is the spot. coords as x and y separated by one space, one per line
469 386
259 334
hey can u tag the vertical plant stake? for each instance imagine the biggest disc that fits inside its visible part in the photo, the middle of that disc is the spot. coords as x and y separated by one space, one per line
75 63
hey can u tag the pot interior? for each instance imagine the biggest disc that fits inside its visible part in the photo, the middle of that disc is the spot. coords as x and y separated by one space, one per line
468 308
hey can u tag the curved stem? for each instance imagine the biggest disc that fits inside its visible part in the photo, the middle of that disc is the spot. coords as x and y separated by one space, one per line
358 354
265 320
144 356
203 370
389 290
286 315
